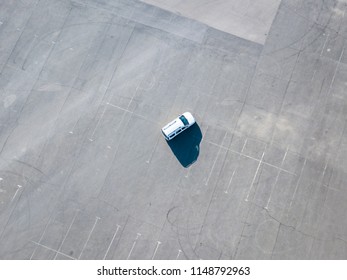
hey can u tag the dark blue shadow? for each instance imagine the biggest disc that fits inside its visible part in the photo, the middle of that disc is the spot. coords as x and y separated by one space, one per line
185 146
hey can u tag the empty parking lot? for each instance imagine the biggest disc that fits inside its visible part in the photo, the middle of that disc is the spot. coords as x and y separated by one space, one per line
85 172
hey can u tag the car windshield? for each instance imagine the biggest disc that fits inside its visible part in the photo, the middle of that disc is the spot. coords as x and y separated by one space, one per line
184 120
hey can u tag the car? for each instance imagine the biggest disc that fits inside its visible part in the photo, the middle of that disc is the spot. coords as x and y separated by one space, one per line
178 125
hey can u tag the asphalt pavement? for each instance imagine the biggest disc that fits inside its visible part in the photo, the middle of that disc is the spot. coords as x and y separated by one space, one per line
85 173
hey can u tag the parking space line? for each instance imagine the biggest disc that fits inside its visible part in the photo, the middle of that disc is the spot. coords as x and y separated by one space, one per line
42 235
325 169
90 234
51 249
156 249
15 194
103 113
255 175
117 147
326 40
321 53
278 174
179 252
215 161
250 157
74 126
114 236
320 185
118 107
337 67
128 111
297 185
97 124
66 234
238 164
109 84
132 247
322 214
152 153
279 168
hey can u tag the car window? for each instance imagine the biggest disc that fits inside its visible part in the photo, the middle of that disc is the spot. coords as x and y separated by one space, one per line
184 120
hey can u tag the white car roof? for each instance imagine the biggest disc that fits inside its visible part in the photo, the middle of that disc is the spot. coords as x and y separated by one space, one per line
172 126
177 123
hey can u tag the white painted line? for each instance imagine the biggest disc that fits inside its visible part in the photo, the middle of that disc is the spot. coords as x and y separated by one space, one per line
97 124
325 169
128 111
74 126
132 97
326 40
314 74
297 184
14 195
51 249
90 234
236 167
44 231
156 249
337 67
322 214
279 168
239 153
115 106
19 187
179 252
278 174
114 236
68 230
112 105
155 147
215 161
255 175
132 248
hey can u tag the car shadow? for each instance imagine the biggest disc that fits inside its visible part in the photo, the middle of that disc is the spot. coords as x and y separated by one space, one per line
185 146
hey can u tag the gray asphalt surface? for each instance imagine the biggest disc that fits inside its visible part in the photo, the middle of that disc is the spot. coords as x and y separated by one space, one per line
85 173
